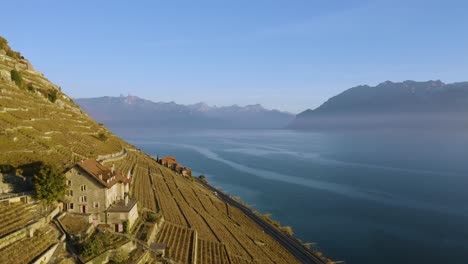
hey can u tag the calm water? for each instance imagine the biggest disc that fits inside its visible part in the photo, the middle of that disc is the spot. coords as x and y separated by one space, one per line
363 197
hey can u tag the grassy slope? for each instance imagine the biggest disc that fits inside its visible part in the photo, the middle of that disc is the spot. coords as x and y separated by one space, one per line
32 128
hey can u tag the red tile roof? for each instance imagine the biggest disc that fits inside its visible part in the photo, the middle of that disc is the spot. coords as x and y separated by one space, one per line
101 173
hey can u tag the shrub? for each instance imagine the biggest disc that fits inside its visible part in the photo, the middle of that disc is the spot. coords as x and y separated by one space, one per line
3 44
126 226
49 184
96 244
151 216
52 96
101 136
16 77
93 247
120 257
31 88
202 178
5 168
13 54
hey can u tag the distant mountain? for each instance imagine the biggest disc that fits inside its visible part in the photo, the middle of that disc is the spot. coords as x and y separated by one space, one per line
389 104
134 112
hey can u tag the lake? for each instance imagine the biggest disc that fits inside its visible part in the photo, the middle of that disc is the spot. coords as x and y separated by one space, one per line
363 197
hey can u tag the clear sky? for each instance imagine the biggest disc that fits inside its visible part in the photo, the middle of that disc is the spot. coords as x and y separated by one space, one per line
285 54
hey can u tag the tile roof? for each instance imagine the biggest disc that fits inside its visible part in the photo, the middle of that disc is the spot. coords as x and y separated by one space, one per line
120 206
101 173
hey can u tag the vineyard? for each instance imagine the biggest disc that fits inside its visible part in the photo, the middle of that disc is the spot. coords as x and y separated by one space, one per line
33 128
25 250
225 234
211 252
17 216
179 242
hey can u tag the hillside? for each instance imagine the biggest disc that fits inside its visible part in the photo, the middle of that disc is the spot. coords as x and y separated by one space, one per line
130 111
406 104
40 124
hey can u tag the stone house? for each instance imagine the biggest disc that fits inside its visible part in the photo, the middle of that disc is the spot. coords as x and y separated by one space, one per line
100 193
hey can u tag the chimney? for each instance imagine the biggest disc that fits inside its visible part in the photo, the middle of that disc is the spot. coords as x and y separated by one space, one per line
113 167
126 198
100 177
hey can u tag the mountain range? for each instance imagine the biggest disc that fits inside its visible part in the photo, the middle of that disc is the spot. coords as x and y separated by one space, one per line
407 104
134 112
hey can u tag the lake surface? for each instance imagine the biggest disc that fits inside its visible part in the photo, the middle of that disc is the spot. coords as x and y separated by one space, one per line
364 197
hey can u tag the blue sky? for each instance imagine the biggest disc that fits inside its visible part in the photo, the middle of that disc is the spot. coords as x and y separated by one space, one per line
285 54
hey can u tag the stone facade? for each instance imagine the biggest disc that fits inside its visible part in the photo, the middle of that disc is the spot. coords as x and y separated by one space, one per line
100 193
85 195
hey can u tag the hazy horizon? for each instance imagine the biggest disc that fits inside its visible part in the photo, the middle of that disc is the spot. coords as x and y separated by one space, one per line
283 55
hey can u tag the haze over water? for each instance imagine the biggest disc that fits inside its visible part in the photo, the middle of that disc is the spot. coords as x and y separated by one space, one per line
364 197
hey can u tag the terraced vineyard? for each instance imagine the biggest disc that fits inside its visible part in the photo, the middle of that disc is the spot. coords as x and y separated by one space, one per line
27 249
34 127
17 216
179 242
212 252
225 233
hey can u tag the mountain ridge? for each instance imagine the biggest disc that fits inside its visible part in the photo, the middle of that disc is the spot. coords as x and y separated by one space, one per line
411 102
136 111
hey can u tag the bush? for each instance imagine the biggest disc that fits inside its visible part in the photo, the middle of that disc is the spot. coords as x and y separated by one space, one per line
101 136
52 96
3 44
151 216
49 184
202 178
93 247
5 168
120 257
126 226
16 77
31 88
96 244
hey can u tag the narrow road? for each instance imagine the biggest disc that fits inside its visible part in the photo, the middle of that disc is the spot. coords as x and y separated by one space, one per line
293 246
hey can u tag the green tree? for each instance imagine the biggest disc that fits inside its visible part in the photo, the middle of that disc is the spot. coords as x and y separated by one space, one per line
49 184
16 77
202 178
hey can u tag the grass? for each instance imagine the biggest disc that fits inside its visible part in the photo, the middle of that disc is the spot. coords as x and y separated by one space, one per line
74 224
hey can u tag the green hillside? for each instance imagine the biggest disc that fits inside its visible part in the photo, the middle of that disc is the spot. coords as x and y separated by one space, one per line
40 123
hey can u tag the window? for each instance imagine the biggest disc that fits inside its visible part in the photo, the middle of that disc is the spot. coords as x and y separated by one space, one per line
69 192
69 182
83 188
70 206
83 199
96 204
